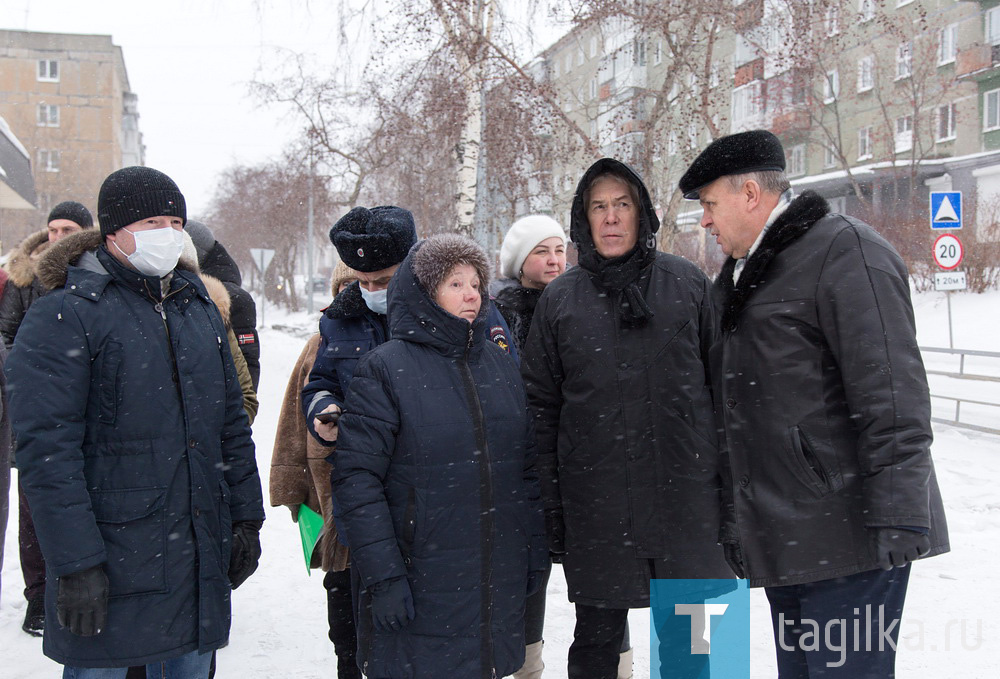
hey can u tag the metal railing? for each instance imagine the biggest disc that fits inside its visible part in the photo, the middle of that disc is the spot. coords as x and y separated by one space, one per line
983 360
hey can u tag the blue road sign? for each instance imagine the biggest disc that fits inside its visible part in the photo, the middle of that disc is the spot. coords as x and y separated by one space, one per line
946 209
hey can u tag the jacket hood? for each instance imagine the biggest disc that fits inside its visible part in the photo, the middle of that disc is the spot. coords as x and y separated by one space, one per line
220 264
53 265
21 266
415 317
649 223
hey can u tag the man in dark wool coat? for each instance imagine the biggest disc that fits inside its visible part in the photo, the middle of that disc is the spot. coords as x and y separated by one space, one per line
824 403
133 446
616 372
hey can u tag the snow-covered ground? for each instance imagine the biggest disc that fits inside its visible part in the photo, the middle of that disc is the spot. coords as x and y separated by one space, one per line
279 615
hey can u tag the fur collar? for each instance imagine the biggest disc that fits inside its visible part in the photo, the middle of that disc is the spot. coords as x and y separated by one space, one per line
55 262
348 304
803 212
217 291
21 266
519 298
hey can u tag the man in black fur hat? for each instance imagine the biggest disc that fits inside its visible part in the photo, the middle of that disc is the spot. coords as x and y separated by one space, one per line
824 402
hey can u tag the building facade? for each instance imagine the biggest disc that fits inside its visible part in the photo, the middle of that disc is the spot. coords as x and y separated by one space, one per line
70 100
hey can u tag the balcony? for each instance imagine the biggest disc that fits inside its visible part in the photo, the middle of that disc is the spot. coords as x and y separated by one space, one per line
749 72
790 121
976 61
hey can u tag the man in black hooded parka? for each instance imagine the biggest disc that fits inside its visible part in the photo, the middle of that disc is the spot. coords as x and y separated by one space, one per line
615 367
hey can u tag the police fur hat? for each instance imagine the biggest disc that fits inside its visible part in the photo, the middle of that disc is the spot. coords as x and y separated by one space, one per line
753 151
374 239
438 255
74 212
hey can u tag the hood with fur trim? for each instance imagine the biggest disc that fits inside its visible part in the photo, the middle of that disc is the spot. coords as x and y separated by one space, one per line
21 265
55 262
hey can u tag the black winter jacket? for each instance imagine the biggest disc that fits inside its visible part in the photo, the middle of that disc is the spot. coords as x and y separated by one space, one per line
23 287
434 479
243 310
824 400
517 305
135 453
625 426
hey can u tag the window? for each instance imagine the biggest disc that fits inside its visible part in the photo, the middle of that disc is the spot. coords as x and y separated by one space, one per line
593 87
48 115
866 73
904 134
900 3
693 136
829 157
672 144
832 20
568 62
713 76
865 143
746 106
946 44
639 52
991 110
692 85
796 160
866 8
658 54
48 70
904 60
48 160
831 86
579 56
993 26
946 122
593 46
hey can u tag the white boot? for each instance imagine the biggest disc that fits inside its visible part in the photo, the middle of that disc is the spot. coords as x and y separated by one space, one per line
533 665
625 665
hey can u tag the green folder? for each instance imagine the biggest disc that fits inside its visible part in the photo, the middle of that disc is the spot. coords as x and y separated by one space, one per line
310 527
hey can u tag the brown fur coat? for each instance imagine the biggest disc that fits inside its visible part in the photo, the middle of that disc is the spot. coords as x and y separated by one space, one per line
300 473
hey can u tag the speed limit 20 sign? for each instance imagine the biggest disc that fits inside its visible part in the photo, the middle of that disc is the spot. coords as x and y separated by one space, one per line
948 251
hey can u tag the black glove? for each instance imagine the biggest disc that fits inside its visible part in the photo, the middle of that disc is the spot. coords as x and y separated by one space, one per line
246 551
555 529
734 557
898 546
392 605
82 602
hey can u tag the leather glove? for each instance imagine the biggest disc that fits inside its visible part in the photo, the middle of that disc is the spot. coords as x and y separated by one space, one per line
734 557
392 605
895 547
246 551
535 580
555 529
82 601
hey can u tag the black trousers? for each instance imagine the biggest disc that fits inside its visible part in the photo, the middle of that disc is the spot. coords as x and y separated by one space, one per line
597 642
534 612
804 616
340 614
32 561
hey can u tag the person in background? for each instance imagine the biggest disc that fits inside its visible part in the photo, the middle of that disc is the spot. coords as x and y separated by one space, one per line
434 480
616 368
215 261
5 451
138 459
300 475
825 409
21 291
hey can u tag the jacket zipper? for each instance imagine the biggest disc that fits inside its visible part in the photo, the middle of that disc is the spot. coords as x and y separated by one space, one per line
158 305
486 514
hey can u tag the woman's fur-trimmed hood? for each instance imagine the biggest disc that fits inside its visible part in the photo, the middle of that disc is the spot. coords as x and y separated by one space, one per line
23 261
438 255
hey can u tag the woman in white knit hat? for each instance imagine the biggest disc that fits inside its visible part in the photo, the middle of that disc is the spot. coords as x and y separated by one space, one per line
533 254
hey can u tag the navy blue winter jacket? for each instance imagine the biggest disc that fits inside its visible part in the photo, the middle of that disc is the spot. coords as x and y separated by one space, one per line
135 453
434 480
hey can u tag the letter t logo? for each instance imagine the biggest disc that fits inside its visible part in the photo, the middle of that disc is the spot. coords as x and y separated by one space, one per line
701 627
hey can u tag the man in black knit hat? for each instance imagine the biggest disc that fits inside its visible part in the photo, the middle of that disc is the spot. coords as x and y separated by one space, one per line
133 446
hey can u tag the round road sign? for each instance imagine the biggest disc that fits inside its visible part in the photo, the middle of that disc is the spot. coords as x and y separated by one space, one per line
948 251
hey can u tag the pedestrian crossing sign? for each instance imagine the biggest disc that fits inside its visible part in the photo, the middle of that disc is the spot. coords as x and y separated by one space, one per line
946 209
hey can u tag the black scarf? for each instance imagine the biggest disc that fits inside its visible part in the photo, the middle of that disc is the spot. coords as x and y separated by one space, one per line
620 276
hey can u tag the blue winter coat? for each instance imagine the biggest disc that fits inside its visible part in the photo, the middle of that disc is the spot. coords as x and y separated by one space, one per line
135 453
349 330
434 480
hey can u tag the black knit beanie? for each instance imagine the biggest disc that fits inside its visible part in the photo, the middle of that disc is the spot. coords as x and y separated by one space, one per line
374 239
134 193
74 212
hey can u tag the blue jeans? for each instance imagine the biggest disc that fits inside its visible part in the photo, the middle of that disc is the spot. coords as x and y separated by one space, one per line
192 665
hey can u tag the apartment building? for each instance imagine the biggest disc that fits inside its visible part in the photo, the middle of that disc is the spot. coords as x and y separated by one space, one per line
878 102
69 98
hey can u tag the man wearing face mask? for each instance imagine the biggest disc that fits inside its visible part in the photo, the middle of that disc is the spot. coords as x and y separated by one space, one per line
373 242
134 449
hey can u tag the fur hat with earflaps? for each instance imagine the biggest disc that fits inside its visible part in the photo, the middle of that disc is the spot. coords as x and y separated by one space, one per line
438 255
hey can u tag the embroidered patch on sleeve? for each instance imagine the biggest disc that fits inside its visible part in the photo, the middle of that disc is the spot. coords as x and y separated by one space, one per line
499 337
246 338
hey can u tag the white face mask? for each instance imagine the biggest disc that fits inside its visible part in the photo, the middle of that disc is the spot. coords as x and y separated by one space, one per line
377 301
156 251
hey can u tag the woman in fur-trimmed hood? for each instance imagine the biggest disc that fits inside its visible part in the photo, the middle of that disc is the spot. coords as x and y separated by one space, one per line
434 482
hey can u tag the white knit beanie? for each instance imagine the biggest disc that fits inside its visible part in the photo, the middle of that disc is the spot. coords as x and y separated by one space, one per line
521 239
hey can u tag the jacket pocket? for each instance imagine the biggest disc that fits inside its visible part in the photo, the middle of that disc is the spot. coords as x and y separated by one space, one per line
132 523
808 465
109 392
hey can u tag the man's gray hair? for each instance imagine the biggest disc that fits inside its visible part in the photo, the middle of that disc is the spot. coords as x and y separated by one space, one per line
770 181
